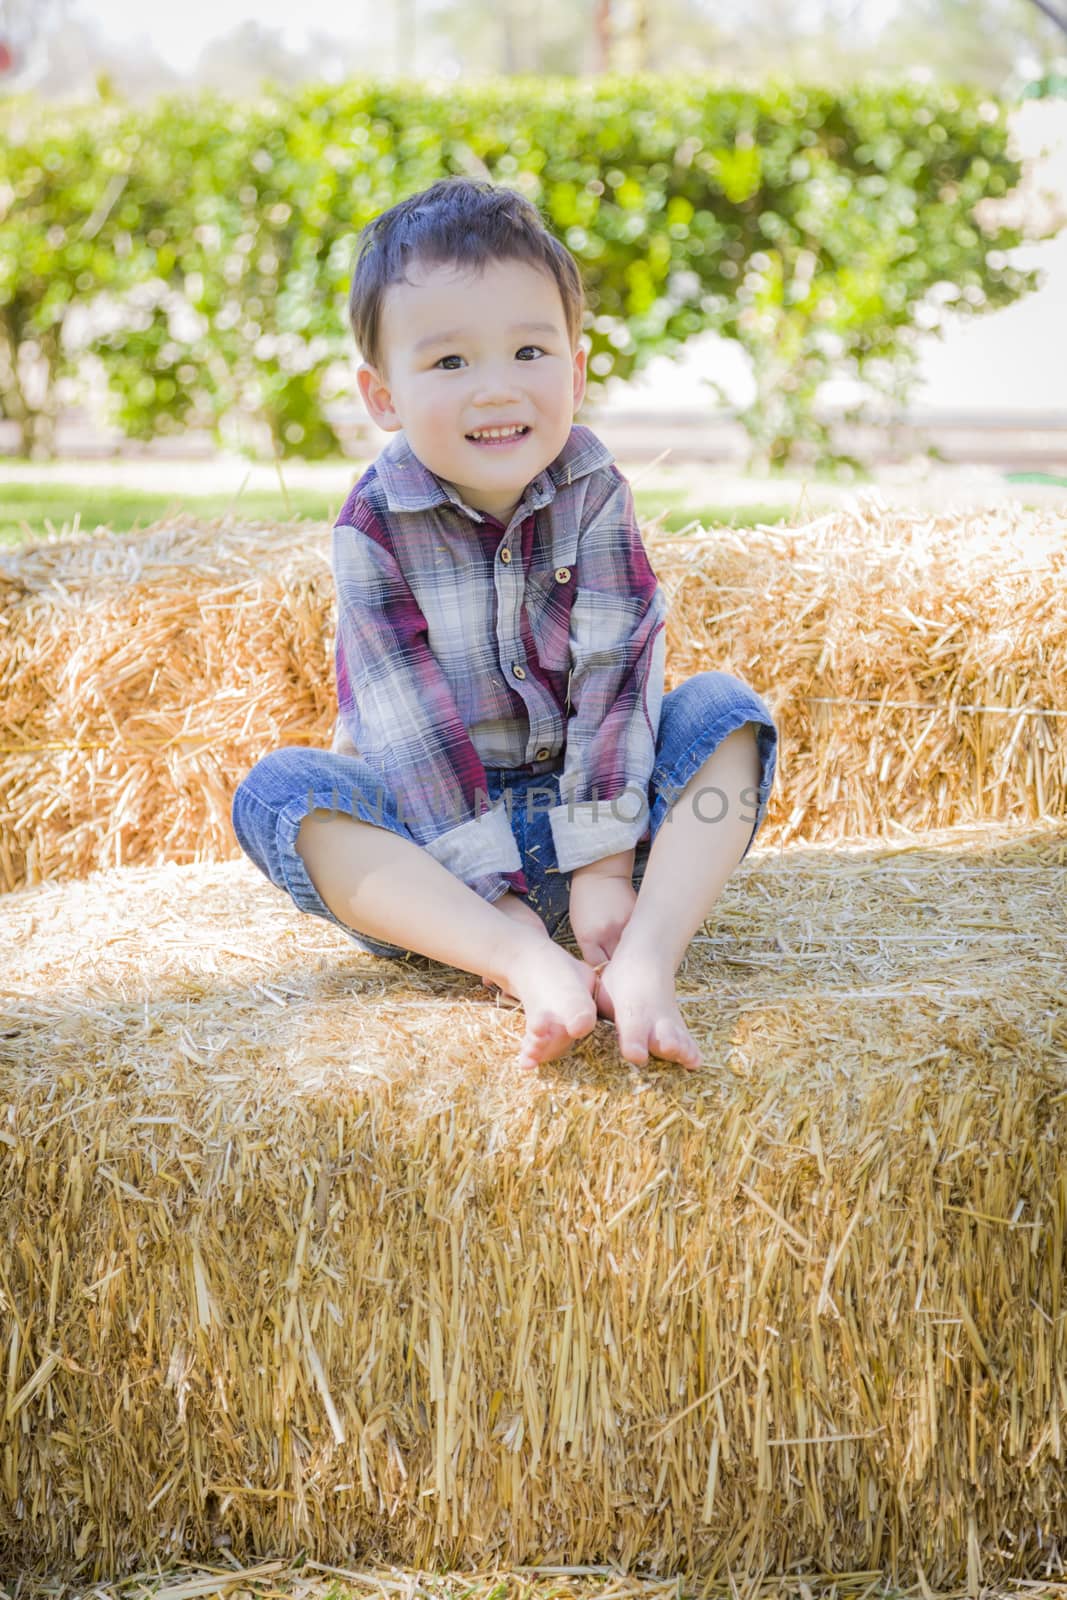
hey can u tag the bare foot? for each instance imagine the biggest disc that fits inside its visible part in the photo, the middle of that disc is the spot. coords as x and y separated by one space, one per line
638 995
556 992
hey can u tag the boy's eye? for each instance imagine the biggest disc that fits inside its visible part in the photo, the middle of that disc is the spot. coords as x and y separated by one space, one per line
445 363
536 348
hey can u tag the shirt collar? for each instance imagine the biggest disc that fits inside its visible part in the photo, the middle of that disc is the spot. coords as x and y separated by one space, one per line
410 486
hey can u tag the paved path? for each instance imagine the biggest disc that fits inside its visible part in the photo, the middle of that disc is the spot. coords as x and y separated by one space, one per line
698 484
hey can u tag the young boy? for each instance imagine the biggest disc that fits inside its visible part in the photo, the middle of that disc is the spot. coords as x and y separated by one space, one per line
504 753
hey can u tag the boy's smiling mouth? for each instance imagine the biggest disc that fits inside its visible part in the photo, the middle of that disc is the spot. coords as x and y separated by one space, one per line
504 434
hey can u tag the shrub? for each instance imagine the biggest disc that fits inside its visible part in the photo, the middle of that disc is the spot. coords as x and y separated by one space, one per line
816 228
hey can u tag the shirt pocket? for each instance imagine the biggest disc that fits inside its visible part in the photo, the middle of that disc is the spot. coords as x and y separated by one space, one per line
548 601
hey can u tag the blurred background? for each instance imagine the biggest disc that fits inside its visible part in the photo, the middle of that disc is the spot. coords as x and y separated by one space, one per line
61 47
904 384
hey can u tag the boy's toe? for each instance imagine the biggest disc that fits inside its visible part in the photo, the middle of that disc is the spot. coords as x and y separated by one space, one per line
632 1049
582 1022
542 1027
673 1043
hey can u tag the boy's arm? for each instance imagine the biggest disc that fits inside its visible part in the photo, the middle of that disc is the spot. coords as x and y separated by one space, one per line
397 708
618 623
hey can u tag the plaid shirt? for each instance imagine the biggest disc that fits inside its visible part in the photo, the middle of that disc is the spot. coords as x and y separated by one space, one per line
464 644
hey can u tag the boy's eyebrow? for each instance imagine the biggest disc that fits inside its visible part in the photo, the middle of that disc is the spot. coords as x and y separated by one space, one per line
459 333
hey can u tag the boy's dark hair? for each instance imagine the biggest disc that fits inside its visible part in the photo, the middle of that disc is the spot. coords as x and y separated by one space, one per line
458 220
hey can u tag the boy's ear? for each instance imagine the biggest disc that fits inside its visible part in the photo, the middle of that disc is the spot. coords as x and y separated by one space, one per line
377 398
579 376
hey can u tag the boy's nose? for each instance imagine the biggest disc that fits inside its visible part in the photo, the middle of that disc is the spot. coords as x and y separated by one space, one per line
494 389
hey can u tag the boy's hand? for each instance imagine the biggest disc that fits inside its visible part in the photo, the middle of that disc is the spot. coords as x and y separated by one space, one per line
600 907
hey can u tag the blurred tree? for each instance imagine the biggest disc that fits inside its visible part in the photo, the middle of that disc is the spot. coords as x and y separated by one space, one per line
528 37
825 41
988 42
76 60
567 37
406 37
602 34
24 24
241 60
63 56
991 42
626 36
209 242
639 35
684 35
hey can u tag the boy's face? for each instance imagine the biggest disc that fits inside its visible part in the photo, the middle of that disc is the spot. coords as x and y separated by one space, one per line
466 352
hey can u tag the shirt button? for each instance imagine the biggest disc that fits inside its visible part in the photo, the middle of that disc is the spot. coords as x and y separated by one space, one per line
542 755
505 555
519 672
563 574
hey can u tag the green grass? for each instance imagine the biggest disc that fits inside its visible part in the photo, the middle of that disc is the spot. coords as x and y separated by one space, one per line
37 510
1036 477
40 510
680 512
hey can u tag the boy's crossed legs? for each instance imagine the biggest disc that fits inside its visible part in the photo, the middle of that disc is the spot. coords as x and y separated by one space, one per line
392 890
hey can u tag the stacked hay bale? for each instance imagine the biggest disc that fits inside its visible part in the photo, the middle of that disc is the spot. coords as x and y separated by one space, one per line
917 668
296 1258
917 664
139 674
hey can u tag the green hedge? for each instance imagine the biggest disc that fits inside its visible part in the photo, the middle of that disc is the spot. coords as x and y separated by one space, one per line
808 225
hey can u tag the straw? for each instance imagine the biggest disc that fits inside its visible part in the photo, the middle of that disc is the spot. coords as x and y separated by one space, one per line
916 665
298 1259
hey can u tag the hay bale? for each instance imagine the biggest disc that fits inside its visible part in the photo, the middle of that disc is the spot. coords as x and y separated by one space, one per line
917 665
139 673
295 1256
917 662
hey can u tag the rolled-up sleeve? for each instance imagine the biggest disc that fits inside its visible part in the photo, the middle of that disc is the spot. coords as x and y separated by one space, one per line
618 643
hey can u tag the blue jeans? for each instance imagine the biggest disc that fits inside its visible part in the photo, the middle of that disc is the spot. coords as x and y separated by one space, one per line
276 796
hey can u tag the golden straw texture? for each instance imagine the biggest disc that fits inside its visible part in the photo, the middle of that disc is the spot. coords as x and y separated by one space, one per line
917 666
917 663
294 1257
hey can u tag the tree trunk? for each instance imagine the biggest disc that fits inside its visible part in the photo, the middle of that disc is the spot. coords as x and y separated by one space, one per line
510 61
39 442
640 36
12 397
602 35
405 38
